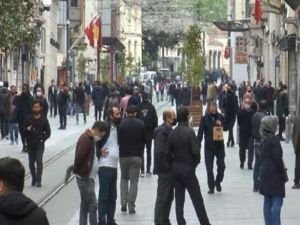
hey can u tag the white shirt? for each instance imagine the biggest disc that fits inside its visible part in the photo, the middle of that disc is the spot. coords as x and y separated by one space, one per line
94 170
111 160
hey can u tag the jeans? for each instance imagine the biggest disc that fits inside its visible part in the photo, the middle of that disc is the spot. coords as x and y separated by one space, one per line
107 195
230 132
88 204
164 199
209 163
35 154
98 113
80 108
257 164
130 171
272 209
149 155
185 178
13 132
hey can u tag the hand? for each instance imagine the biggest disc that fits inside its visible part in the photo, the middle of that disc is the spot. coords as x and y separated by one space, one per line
104 152
29 128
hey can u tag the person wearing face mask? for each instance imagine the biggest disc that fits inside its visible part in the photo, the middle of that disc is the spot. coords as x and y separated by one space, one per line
23 109
183 154
15 207
165 183
40 97
212 148
147 113
85 168
37 131
108 157
244 121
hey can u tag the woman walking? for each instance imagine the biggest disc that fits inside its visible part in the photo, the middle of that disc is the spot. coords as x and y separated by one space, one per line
272 172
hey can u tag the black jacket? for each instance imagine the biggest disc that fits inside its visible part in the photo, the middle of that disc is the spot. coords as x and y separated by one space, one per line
62 99
272 170
134 100
161 135
244 122
147 113
183 146
39 132
230 106
131 137
17 209
206 127
98 96
23 106
256 120
52 94
79 95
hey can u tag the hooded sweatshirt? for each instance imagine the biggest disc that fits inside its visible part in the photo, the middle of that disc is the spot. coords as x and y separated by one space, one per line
17 209
268 126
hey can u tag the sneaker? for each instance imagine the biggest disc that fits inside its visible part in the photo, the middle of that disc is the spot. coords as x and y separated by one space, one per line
132 211
123 208
218 187
211 191
250 167
242 166
33 183
148 174
255 190
38 185
296 186
142 174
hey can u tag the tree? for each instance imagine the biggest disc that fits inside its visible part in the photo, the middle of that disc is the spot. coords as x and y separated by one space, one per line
81 65
192 49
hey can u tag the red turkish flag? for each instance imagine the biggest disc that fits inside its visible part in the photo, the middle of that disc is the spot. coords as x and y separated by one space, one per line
97 30
258 11
89 33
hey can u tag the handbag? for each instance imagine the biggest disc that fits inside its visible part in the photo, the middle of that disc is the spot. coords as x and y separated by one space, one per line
218 133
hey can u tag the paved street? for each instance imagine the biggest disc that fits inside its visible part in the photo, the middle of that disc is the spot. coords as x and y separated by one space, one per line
236 205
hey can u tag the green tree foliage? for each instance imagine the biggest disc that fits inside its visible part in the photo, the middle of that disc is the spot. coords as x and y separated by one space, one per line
105 65
81 66
208 10
192 49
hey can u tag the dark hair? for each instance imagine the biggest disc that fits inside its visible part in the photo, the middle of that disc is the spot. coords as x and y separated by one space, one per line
263 105
131 109
182 115
110 110
12 173
145 96
99 126
129 90
36 101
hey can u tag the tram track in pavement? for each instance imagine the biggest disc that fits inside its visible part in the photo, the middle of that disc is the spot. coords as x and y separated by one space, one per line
61 185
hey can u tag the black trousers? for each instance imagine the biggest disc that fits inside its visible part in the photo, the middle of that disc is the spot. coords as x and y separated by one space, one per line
22 132
246 144
107 195
209 163
185 178
53 108
281 125
164 199
297 168
230 131
98 113
4 127
63 116
35 154
149 136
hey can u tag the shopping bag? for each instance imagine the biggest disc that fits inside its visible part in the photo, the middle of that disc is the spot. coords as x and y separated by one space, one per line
218 133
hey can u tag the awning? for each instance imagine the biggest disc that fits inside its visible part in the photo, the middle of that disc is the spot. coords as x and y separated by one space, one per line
294 4
288 43
113 41
233 26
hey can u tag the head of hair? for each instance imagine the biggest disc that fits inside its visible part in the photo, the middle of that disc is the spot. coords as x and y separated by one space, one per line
166 114
12 174
263 105
99 126
129 90
132 109
284 86
36 101
182 115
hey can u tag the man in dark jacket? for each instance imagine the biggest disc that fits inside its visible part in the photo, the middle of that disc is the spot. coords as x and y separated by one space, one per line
23 109
270 93
4 93
79 95
37 131
85 168
98 100
184 153
230 106
135 99
296 144
52 98
245 128
15 207
172 90
256 120
212 148
131 139
62 101
282 109
165 183
147 113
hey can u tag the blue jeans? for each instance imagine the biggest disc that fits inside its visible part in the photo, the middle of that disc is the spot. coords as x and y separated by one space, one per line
272 209
13 131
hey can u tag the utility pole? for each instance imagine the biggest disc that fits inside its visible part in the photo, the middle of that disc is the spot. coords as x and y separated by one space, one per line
69 74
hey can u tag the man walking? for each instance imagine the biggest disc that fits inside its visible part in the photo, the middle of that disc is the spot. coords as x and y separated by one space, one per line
52 98
62 101
282 110
13 124
79 95
85 168
132 142
108 155
165 183
147 113
98 100
15 207
212 147
37 131
184 153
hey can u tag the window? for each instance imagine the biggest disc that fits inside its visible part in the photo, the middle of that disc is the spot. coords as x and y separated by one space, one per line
74 3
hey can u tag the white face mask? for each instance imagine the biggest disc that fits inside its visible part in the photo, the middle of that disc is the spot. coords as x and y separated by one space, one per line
39 94
97 138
